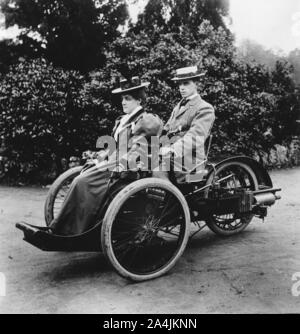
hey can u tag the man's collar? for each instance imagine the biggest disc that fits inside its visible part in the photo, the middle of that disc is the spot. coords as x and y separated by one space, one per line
191 97
194 99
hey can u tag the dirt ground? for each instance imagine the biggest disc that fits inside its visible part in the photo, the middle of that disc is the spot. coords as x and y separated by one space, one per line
248 273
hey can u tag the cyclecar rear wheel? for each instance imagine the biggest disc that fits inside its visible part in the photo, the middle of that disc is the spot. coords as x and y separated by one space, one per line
243 177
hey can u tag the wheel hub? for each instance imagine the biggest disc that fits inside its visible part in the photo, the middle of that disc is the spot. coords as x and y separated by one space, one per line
148 231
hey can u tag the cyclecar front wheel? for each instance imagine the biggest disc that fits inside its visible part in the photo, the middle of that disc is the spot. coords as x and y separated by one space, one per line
145 229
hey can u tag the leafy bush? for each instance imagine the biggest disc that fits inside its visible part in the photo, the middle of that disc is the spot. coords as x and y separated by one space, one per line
44 117
255 108
48 114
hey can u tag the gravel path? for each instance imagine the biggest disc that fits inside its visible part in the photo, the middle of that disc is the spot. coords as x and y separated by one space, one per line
251 272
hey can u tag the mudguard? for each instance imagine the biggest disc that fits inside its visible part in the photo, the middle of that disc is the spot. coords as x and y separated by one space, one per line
261 173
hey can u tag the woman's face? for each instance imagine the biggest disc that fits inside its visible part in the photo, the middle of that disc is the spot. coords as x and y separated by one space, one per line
129 103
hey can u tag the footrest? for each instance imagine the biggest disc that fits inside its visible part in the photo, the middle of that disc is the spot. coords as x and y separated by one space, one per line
39 237
42 239
31 229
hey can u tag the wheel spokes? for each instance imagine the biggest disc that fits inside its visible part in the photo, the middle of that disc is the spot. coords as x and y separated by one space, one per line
147 237
239 181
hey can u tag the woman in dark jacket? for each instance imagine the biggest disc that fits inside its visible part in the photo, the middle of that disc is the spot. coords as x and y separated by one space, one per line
89 190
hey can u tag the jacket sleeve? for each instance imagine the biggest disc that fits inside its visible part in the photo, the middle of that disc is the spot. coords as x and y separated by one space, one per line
148 125
167 125
200 128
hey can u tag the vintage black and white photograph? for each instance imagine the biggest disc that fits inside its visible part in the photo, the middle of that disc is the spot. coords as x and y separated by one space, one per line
149 158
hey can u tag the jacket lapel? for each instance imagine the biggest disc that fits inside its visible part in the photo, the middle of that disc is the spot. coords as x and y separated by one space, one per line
182 110
193 102
118 120
132 119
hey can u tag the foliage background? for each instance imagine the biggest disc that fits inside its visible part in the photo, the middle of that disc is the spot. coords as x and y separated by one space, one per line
56 79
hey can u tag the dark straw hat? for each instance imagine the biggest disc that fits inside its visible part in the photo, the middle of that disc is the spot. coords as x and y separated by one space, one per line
130 85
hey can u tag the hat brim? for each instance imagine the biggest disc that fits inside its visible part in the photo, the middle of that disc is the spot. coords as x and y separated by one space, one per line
122 91
189 77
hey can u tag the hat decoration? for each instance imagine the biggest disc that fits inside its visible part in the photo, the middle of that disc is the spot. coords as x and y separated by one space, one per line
187 73
126 85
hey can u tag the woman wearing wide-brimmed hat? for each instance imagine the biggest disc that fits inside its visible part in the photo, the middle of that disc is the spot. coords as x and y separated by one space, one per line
89 190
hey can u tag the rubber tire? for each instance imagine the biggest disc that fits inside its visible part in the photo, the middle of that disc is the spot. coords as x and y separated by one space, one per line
112 212
54 189
211 222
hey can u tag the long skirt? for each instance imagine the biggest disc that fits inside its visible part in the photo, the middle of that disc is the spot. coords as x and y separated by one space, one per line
87 195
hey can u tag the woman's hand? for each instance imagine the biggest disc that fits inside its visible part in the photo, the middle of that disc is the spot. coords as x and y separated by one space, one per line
119 169
102 155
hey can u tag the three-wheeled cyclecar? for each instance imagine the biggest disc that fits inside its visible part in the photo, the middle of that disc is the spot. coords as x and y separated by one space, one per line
144 228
